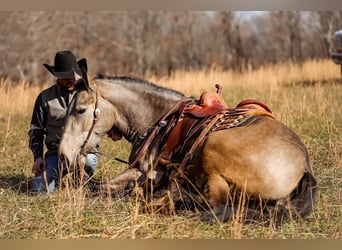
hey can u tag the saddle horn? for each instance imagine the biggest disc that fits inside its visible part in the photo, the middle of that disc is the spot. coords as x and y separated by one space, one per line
218 88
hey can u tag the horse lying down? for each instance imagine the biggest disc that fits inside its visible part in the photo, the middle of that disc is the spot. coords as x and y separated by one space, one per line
194 154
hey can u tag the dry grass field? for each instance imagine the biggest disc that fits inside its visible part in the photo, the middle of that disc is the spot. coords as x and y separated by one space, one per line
307 98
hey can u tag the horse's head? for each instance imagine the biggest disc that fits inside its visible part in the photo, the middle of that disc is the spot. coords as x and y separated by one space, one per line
113 106
87 122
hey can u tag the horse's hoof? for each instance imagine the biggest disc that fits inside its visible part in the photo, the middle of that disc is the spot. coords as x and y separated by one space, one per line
131 184
207 217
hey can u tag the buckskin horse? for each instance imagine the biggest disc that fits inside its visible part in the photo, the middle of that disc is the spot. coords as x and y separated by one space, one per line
193 154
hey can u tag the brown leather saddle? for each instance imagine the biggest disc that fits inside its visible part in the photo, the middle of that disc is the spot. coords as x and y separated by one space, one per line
210 114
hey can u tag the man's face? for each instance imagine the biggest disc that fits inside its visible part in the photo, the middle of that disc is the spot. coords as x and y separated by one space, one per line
69 84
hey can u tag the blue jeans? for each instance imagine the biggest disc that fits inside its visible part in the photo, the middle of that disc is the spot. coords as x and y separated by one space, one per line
38 183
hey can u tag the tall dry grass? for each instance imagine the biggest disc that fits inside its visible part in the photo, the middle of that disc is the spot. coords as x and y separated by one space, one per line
17 98
306 97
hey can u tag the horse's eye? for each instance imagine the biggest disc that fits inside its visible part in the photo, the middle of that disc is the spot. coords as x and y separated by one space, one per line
81 111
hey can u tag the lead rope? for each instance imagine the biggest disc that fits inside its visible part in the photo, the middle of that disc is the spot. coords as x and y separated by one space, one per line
111 157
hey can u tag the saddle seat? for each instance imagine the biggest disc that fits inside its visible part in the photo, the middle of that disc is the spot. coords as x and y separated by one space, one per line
209 104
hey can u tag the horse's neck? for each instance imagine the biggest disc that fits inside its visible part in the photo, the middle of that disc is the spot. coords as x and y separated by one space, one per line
138 109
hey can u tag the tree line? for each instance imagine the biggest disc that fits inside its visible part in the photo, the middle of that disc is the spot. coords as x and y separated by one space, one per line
144 43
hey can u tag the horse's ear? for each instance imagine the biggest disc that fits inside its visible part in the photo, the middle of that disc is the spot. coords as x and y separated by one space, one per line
82 80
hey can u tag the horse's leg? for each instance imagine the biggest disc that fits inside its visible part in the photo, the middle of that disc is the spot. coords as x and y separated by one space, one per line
125 180
177 197
220 206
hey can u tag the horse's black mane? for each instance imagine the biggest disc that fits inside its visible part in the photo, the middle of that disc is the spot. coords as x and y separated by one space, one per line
101 76
130 79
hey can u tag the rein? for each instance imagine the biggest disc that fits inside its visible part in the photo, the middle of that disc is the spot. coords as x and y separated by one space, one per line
95 119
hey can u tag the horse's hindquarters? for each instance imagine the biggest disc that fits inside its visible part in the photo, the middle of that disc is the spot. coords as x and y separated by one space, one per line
266 158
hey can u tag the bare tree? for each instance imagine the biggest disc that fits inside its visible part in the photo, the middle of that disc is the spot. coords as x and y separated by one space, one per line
147 43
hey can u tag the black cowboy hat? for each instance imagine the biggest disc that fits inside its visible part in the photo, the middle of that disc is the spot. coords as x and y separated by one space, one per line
66 65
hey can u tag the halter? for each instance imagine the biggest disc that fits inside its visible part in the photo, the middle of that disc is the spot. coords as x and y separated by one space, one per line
95 119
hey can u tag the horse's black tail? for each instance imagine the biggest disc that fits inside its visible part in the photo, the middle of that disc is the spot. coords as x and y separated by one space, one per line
304 197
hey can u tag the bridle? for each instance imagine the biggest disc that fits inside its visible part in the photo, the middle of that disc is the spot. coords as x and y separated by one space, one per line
95 119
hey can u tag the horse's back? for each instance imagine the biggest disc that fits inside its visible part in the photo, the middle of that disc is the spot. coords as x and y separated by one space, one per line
266 158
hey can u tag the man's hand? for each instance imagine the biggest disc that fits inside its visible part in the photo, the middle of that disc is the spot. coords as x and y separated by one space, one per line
38 166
